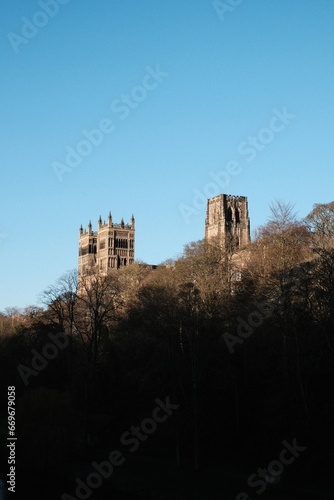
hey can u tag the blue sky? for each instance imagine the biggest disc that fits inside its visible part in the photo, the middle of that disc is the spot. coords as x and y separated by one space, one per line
181 89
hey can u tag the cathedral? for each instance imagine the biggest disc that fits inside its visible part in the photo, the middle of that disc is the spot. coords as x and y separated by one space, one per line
112 246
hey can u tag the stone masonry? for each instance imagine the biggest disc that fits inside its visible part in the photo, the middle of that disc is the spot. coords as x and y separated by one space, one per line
109 248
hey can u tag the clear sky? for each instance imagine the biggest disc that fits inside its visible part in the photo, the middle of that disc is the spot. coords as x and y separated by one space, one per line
182 91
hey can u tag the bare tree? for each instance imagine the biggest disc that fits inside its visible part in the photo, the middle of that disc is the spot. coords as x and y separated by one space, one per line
282 217
86 307
61 300
99 305
320 223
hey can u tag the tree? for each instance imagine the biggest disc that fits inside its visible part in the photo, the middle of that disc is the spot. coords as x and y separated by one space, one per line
282 217
208 266
280 245
61 300
320 223
277 271
98 307
87 308
131 278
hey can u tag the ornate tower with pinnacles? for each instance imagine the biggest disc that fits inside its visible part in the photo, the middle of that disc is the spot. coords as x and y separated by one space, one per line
111 247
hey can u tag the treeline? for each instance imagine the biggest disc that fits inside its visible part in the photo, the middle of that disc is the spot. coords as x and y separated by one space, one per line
241 339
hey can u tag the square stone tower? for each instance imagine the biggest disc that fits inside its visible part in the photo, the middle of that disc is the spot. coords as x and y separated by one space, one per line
110 247
227 220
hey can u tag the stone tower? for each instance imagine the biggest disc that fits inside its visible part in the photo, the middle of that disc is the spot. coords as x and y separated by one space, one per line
110 247
227 220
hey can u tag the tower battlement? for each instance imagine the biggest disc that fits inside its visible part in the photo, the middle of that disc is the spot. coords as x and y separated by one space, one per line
110 247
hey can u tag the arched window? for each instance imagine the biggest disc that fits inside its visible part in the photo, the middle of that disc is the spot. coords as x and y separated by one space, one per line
237 216
229 215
